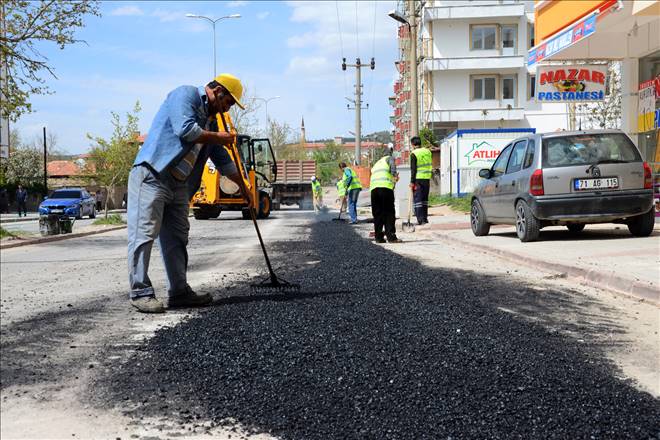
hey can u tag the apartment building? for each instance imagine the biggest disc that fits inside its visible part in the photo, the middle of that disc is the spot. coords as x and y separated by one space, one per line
473 67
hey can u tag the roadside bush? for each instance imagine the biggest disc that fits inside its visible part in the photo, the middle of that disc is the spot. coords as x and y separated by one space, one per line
112 219
460 204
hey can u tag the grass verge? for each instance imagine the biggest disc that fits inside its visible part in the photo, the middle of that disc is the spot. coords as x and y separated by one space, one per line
112 219
460 204
5 233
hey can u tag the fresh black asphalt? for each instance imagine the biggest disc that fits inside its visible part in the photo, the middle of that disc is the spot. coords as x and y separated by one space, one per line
377 346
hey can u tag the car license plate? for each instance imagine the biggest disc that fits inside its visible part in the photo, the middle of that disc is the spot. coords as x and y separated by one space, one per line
592 184
56 211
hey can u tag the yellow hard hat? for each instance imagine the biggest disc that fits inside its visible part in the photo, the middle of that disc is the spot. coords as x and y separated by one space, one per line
233 86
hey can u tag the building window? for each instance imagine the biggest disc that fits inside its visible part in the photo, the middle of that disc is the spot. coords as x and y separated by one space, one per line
531 86
530 35
484 87
483 37
509 36
508 87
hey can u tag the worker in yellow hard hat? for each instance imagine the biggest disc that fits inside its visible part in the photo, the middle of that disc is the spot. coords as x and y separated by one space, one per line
166 173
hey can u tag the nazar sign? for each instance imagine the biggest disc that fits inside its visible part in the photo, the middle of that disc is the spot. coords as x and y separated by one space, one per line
570 83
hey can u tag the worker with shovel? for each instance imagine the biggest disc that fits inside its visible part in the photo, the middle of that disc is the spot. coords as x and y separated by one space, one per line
421 170
353 188
166 172
317 194
383 179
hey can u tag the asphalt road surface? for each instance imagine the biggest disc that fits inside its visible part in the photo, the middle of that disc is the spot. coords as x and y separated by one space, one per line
374 345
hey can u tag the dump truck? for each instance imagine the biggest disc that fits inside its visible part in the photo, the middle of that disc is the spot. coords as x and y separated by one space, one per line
255 161
293 183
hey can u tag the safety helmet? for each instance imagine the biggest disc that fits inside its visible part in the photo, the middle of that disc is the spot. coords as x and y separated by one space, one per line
233 86
313 178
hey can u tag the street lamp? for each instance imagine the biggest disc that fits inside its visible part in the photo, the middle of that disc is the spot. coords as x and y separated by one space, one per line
266 100
411 22
213 22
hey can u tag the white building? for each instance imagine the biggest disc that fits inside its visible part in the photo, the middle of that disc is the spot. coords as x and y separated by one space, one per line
473 72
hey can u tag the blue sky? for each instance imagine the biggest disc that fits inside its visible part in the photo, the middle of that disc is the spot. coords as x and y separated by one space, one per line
142 50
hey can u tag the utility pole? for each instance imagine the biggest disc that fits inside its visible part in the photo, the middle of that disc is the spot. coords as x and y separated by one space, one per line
213 23
358 102
45 166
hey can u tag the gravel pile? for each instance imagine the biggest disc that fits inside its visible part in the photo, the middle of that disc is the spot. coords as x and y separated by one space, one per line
378 347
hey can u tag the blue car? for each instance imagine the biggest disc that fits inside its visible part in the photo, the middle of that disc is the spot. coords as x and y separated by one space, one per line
74 202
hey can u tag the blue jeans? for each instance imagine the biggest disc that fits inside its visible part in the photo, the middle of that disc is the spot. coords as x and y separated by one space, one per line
352 204
157 208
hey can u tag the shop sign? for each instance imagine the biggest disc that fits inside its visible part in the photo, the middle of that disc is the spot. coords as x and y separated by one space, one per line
480 153
649 92
579 31
570 83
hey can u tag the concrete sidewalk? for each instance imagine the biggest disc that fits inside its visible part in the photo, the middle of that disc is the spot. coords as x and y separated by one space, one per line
13 217
604 255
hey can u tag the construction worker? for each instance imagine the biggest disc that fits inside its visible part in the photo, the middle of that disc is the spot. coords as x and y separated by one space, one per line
383 179
353 188
421 164
317 192
341 194
166 172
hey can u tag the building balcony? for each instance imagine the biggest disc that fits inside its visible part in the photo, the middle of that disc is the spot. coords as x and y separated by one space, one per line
476 114
456 10
475 63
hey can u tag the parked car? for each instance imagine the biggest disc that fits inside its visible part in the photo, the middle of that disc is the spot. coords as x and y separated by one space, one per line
74 202
565 178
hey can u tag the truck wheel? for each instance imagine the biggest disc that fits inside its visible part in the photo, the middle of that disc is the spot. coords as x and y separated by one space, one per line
246 214
264 205
642 225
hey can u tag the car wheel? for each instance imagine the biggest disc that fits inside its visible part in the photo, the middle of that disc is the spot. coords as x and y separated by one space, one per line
642 225
79 216
527 226
575 227
478 219
93 213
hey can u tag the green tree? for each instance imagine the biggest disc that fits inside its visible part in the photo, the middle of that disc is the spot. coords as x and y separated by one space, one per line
111 160
327 162
428 137
26 25
605 113
25 166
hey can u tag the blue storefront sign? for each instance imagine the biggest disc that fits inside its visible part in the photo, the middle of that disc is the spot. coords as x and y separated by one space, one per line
569 37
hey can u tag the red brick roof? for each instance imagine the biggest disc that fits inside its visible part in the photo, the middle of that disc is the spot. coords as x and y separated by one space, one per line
63 168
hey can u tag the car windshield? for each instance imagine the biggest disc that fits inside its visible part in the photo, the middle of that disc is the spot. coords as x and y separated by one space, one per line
65 195
585 149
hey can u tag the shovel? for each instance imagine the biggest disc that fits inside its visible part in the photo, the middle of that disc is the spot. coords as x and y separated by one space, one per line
408 226
341 209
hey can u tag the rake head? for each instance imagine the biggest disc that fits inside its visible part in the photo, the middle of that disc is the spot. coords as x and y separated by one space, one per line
273 284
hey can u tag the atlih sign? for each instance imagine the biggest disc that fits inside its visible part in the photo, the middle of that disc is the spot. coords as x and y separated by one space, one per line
563 83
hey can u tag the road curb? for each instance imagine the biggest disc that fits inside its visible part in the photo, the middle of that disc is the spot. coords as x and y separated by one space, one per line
19 219
592 277
58 237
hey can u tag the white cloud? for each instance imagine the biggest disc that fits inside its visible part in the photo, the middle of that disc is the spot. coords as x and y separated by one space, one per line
127 11
168 16
237 4
308 65
263 15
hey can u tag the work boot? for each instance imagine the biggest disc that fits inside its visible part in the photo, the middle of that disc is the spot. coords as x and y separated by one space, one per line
189 299
380 240
394 240
148 304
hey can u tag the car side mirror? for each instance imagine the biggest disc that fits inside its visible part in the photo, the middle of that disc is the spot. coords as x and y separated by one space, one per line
45 197
485 173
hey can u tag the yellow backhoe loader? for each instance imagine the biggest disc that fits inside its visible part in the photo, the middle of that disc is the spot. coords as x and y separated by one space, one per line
255 161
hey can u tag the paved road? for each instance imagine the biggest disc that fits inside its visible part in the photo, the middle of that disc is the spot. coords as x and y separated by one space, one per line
375 346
